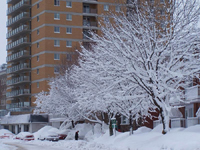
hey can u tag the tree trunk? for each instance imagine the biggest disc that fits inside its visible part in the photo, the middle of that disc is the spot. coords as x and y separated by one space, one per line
73 124
110 128
165 121
131 124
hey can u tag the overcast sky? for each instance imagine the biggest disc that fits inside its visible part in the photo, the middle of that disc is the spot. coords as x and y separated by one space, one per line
3 31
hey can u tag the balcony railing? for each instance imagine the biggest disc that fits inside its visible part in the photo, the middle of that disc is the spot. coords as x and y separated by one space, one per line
8 1
88 10
18 18
17 43
20 92
192 94
178 122
19 107
191 121
17 31
21 4
17 55
89 23
12 1
90 0
18 80
17 68
156 123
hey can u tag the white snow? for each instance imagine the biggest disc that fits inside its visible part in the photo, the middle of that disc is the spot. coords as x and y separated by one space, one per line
2 131
15 119
142 139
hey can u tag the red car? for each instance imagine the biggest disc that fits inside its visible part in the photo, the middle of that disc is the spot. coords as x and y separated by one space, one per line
62 136
26 136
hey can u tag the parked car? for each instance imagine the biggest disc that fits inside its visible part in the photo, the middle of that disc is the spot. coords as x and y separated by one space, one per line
26 136
50 136
62 136
7 136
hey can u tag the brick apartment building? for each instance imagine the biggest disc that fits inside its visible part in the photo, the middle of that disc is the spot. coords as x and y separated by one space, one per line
40 34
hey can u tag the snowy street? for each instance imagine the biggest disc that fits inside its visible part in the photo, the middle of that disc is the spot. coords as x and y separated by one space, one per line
29 146
61 145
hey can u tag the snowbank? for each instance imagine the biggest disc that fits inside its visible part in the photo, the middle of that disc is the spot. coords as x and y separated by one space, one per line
142 139
42 131
2 131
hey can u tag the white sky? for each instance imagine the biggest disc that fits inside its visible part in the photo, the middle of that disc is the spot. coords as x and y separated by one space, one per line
3 19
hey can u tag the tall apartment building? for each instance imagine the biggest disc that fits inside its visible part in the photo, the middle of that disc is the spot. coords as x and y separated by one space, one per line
40 34
3 111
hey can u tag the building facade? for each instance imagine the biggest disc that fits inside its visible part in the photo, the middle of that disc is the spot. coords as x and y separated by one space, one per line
3 76
41 33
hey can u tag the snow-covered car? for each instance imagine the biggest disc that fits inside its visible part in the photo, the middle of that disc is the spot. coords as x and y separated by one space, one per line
50 136
4 133
26 136
7 136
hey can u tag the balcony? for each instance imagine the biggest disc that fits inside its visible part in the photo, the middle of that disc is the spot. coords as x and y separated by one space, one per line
20 6
21 30
20 43
18 93
19 107
21 18
90 11
178 122
18 56
18 80
90 1
19 68
89 23
192 94
191 121
12 1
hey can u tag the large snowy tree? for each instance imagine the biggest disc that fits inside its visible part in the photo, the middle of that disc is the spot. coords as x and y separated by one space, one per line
145 57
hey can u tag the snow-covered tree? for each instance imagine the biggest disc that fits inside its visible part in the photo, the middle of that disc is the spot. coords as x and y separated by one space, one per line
144 58
63 99
60 99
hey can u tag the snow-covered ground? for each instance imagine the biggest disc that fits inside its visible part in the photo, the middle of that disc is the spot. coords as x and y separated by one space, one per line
142 139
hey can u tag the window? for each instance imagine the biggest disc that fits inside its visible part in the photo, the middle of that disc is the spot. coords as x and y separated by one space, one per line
38 58
38 85
38 31
38 44
69 43
106 7
117 8
56 70
124 120
56 43
69 17
38 19
37 71
56 29
38 5
69 4
56 2
69 57
69 30
162 1
162 12
163 25
151 1
56 56
106 19
56 16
